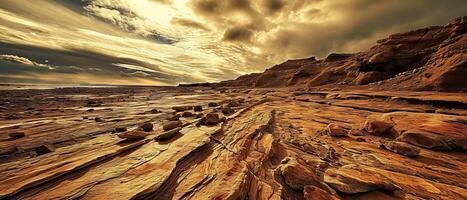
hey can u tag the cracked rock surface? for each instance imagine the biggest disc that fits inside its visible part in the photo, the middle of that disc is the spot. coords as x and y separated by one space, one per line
275 145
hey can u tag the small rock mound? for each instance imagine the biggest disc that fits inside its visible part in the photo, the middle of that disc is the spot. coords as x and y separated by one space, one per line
171 125
174 117
210 119
336 130
133 135
198 108
380 128
147 127
227 111
401 148
168 134
187 114
213 104
44 149
16 135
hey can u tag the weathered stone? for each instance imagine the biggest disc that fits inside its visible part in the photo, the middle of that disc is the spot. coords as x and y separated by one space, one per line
44 149
401 148
210 119
336 130
182 108
213 104
147 127
311 192
352 179
171 125
16 135
233 103
297 176
133 135
187 114
380 128
228 111
168 134
174 117
356 132
98 119
198 108
425 139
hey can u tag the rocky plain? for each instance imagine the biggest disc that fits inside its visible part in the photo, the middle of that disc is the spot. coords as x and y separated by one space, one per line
387 123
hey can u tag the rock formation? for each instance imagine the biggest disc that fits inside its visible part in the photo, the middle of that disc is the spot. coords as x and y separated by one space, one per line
432 58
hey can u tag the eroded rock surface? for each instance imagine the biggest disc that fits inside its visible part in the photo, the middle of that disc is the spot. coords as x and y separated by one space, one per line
272 146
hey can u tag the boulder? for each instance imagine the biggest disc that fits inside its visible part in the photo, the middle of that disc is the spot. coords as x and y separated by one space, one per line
336 130
380 128
311 192
98 119
171 125
213 104
210 119
147 127
198 108
16 135
297 176
168 134
44 149
181 108
187 114
401 148
233 103
174 117
426 140
352 179
228 111
133 135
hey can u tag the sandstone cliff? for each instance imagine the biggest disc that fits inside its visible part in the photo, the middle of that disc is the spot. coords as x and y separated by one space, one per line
432 58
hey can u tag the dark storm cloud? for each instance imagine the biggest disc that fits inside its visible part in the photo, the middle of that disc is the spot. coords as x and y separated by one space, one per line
273 6
174 41
353 25
240 34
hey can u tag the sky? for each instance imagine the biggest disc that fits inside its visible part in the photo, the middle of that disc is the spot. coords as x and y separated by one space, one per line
167 42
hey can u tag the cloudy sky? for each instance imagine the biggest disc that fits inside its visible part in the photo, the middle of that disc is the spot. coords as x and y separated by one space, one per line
166 42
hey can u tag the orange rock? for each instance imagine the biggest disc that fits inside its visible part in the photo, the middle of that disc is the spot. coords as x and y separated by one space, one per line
352 179
313 193
297 176
426 140
380 128
401 148
171 125
336 130
133 135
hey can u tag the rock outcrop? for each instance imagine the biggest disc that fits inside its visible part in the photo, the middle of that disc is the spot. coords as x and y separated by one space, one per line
432 58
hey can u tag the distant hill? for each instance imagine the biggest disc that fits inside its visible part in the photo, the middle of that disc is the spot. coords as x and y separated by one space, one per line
432 58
